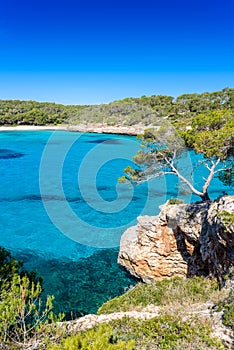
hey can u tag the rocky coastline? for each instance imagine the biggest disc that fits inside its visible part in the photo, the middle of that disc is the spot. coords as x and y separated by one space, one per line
132 130
183 240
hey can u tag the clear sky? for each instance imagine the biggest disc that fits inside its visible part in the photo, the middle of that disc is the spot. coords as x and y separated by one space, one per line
79 52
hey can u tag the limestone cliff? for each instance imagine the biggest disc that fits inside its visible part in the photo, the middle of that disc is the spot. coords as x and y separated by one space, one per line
183 240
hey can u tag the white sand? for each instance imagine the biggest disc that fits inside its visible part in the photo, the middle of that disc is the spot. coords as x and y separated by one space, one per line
32 128
85 128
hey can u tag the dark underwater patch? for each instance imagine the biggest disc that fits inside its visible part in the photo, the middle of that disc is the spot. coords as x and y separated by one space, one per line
103 188
112 142
80 287
105 141
10 154
97 141
35 197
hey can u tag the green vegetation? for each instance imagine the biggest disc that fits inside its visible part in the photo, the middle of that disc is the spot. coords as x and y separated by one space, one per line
228 219
202 122
172 329
23 318
159 333
25 323
175 201
210 135
130 111
228 307
15 112
177 291
166 332
8 267
185 106
98 338
176 298
205 123
227 304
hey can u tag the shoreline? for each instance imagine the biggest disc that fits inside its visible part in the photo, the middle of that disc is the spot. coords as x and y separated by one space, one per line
31 128
89 128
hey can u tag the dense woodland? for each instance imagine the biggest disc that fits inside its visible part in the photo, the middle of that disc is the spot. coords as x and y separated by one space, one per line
129 111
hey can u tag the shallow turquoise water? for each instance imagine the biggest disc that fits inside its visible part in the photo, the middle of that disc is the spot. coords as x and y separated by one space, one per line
63 211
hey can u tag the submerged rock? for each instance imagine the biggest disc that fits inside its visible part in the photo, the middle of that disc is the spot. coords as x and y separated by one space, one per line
183 240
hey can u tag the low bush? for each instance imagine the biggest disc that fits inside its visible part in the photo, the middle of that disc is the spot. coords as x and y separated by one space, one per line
24 320
128 334
175 201
98 338
162 293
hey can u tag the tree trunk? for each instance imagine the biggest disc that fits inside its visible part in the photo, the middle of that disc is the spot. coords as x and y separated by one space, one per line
205 197
204 194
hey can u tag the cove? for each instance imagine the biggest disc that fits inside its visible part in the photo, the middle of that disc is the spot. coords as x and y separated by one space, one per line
63 211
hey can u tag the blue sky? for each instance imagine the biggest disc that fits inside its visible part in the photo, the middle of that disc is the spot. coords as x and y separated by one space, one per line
91 51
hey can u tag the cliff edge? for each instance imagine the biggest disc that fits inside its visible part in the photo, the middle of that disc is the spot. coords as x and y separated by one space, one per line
183 240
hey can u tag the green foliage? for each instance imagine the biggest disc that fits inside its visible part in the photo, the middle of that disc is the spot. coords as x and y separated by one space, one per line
228 315
15 112
20 317
130 111
228 220
115 113
182 291
227 217
166 332
159 147
175 201
212 134
23 318
25 322
227 306
98 338
8 267
227 177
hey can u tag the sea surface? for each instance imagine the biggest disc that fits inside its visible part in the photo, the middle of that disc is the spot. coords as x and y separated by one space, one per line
63 210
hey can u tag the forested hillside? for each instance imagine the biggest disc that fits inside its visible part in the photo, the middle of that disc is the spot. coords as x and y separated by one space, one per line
16 112
129 111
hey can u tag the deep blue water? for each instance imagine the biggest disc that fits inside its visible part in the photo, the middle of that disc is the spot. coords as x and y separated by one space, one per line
63 211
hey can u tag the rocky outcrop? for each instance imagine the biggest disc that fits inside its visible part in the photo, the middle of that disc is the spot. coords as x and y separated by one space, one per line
183 240
108 129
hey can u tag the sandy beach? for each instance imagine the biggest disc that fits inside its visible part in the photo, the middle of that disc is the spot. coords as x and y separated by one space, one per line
32 128
89 128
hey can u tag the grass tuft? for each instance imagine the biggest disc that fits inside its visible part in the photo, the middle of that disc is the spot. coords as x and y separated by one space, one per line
178 291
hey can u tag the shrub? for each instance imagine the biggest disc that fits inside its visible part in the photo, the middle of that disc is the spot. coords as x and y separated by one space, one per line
98 338
175 201
176 290
166 332
127 334
23 318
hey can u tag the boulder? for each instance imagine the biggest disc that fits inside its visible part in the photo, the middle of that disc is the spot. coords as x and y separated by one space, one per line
183 240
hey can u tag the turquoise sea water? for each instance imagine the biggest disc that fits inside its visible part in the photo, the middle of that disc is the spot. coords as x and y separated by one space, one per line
63 211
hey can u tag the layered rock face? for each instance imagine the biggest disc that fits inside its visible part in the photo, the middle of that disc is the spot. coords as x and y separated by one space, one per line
183 240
